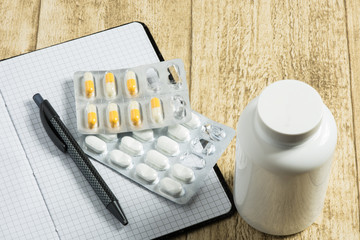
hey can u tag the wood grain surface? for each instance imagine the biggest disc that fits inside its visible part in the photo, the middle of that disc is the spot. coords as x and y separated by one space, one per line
232 50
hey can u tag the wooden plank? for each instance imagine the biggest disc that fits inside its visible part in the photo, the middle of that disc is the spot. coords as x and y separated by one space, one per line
18 26
353 22
168 21
65 20
238 48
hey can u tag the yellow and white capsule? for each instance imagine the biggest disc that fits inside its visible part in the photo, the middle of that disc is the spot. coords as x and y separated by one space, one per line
131 83
113 114
110 86
91 116
156 110
135 113
89 85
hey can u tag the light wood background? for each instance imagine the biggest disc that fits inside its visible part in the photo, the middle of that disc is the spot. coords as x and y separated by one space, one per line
232 50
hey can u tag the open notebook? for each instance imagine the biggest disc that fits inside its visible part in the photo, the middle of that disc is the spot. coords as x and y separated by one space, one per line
42 192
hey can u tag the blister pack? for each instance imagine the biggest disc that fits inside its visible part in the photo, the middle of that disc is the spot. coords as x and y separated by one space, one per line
171 161
132 99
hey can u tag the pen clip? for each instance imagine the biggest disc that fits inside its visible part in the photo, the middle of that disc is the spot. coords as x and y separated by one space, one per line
50 131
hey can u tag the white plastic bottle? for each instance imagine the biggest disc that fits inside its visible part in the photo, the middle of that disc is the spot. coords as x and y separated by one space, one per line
286 138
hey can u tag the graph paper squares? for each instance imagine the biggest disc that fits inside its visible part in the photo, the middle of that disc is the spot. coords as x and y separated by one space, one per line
75 209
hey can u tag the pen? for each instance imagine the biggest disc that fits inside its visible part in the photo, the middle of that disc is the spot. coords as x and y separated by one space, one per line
63 139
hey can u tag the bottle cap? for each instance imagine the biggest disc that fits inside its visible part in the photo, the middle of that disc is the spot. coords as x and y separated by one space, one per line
289 111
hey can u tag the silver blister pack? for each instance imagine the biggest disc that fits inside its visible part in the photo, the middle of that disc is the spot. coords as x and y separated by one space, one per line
171 161
132 99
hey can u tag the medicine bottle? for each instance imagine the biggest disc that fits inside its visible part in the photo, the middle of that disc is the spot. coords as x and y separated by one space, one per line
286 138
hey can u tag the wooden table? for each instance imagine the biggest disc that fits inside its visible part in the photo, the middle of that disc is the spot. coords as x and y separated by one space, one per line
232 50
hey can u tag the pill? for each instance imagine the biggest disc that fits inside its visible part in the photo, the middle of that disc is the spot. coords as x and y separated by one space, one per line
179 133
182 173
108 137
120 158
167 146
156 160
113 114
194 122
135 114
89 85
144 135
145 172
131 146
110 85
131 83
156 110
174 75
91 116
95 144
171 187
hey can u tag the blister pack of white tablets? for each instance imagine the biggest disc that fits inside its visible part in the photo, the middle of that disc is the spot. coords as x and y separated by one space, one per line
171 161
132 99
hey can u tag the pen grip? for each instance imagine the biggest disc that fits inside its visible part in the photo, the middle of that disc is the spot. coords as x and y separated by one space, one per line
83 163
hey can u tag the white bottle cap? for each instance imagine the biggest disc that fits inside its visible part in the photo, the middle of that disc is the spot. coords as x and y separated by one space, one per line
289 111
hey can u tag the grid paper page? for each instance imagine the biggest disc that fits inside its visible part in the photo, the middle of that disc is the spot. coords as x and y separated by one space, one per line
76 210
22 209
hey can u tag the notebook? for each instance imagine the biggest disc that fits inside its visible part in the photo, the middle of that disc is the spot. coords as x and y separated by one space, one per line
42 193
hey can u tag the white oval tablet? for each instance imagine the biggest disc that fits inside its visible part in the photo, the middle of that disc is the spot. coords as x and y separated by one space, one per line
156 160
183 173
171 187
120 158
145 172
194 122
95 144
145 135
179 133
167 146
131 146
108 137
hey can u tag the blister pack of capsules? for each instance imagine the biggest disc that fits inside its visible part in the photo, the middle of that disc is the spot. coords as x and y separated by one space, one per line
132 99
171 161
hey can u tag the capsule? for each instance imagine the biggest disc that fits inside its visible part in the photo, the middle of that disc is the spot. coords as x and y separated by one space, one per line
110 86
91 116
113 114
171 187
108 137
156 110
144 135
95 144
179 133
168 146
146 173
183 173
120 158
135 113
156 160
89 85
131 146
193 123
131 83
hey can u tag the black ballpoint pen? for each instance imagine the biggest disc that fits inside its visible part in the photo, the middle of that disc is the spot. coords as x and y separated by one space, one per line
63 139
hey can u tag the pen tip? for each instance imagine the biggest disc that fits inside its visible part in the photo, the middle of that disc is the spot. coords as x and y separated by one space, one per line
125 222
38 99
115 209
